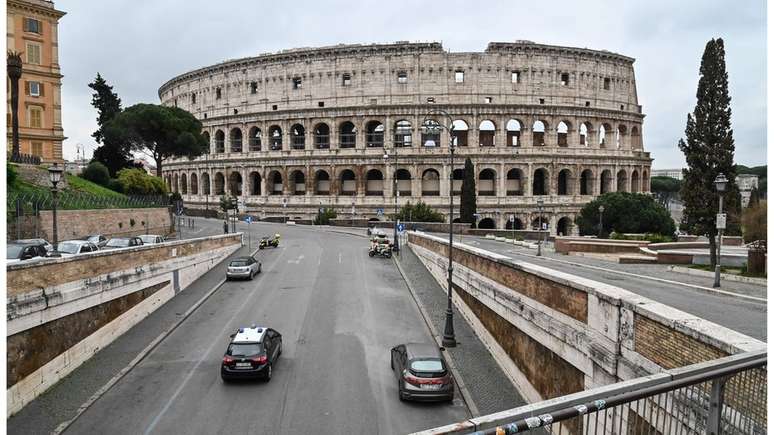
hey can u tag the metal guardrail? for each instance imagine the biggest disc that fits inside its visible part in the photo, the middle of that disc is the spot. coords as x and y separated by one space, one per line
723 396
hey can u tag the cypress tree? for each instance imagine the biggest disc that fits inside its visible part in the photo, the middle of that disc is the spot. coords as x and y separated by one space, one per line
468 194
115 156
709 151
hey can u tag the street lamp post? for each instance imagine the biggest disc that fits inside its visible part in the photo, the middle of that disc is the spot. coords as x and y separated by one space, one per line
396 245
540 225
720 185
449 339
14 70
55 175
601 210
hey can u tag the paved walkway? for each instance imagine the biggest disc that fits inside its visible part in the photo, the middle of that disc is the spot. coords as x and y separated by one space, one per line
487 385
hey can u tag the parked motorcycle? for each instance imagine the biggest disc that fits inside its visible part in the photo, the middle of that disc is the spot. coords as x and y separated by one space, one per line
266 242
381 249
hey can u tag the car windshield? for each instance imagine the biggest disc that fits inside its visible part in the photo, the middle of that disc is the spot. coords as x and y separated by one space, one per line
118 243
244 349
93 239
433 365
14 252
239 263
68 247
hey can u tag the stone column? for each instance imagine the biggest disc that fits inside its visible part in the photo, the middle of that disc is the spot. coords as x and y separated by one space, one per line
501 133
310 187
445 181
501 190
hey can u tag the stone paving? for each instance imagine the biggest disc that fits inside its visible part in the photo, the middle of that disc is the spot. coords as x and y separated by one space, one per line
488 386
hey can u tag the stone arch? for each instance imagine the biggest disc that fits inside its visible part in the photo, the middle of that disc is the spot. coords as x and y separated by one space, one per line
540 182
175 183
297 137
431 136
584 130
564 182
636 140
645 181
634 187
563 226
194 184
514 182
275 137
486 133
517 224
322 136
562 131
235 183
206 136
431 182
605 182
220 141
620 136
348 182
487 182
586 186
254 139
322 182
374 182
404 181
622 181
298 182
460 132
375 134
539 133
403 133
255 183
206 184
513 132
347 135
275 183
235 140
487 224
605 131
220 184
183 184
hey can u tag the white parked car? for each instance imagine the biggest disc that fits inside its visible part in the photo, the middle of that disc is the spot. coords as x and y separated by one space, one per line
71 248
151 239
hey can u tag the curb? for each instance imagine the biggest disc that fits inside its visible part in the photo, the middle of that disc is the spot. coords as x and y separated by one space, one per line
725 276
466 397
137 359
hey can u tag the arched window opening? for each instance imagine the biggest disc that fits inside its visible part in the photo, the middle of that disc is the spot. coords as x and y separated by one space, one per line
513 133
645 181
515 224
220 184
538 134
486 224
347 135
460 133
348 186
255 183
194 184
605 182
563 226
298 137
183 184
276 183
620 136
375 134
206 137
235 183
604 135
254 141
635 185
220 141
322 183
235 138
514 183
431 133
404 182
374 183
486 182
636 139
583 135
486 134
622 181
540 182
586 180
458 175
431 183
322 136
275 136
564 182
402 134
298 182
206 184
561 134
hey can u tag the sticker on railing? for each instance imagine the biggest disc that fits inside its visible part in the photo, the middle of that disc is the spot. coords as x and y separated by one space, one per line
600 404
532 422
547 419
582 409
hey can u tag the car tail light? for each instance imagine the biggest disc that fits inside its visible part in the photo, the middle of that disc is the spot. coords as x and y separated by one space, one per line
411 379
227 360
260 359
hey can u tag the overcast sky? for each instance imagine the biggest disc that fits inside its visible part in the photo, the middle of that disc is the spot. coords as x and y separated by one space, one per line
139 44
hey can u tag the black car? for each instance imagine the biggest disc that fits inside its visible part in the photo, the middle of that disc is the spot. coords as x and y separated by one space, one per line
251 353
422 372
16 252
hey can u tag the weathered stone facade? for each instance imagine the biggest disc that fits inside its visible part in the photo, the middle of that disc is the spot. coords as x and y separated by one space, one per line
306 128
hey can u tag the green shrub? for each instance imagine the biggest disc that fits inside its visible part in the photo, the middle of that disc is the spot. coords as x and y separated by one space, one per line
658 238
10 174
420 212
138 182
96 172
115 185
325 216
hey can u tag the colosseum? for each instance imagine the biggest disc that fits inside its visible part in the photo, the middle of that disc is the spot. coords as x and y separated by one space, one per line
346 127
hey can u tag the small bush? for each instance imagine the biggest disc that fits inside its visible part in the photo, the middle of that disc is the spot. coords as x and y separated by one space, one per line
138 182
658 238
96 172
325 217
115 185
11 174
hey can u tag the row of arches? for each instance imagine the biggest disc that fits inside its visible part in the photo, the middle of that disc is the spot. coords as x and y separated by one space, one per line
563 224
321 182
403 135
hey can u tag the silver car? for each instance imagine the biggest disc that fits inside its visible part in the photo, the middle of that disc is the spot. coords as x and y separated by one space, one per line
71 248
151 239
243 267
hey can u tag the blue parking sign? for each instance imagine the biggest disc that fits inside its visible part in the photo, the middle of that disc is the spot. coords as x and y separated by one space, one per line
248 219
401 227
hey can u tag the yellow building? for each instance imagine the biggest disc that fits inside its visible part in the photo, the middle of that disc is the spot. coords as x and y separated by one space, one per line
32 30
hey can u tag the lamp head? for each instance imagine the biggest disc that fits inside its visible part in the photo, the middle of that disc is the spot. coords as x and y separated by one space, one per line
721 182
55 174
601 208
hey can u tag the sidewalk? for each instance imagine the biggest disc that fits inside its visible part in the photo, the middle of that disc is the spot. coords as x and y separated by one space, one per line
486 384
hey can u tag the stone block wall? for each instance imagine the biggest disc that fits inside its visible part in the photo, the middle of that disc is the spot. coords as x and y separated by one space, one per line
73 224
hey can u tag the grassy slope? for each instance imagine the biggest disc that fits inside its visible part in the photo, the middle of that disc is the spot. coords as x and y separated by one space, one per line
80 184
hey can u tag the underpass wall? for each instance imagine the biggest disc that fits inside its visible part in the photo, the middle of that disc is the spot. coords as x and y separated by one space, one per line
60 312
556 334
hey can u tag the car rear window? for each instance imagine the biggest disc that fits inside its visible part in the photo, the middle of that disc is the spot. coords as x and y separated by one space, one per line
118 243
430 365
239 263
14 252
244 349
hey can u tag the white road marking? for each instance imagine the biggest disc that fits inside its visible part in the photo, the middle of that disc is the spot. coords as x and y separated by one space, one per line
339 257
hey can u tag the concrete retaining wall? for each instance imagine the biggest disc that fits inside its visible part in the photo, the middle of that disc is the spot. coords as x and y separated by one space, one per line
73 224
565 245
555 333
60 312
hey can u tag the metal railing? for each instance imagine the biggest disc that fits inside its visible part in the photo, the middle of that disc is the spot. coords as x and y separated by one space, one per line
26 159
723 396
28 202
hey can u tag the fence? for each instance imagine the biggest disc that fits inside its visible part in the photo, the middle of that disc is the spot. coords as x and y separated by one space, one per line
27 159
32 202
724 396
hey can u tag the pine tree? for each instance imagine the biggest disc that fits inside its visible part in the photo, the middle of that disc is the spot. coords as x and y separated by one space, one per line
709 151
468 194
113 155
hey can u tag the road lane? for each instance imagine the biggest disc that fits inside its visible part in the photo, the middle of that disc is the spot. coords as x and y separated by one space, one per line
339 312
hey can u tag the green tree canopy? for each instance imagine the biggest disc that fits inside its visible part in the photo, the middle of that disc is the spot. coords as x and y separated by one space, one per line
754 222
114 155
625 213
709 150
665 189
468 194
158 131
96 172
419 212
138 182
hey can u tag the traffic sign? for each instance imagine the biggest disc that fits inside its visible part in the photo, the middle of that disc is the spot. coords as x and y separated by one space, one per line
721 221
512 218
249 219
401 227
379 211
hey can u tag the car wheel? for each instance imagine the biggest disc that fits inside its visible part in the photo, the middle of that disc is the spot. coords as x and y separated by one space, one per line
268 373
392 364
279 352
251 275
370 254
260 268
400 393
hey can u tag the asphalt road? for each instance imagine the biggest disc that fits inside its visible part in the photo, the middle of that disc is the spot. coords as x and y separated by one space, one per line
747 317
339 312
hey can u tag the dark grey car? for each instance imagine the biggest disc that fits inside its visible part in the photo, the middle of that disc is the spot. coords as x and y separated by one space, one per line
422 372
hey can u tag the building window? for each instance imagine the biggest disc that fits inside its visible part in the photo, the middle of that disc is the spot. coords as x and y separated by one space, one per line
607 83
254 87
402 77
320 104
33 53
217 93
459 76
588 103
296 82
33 25
488 100
274 107
515 77
175 102
34 89
542 101
36 117
193 98
565 79
346 80
37 149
